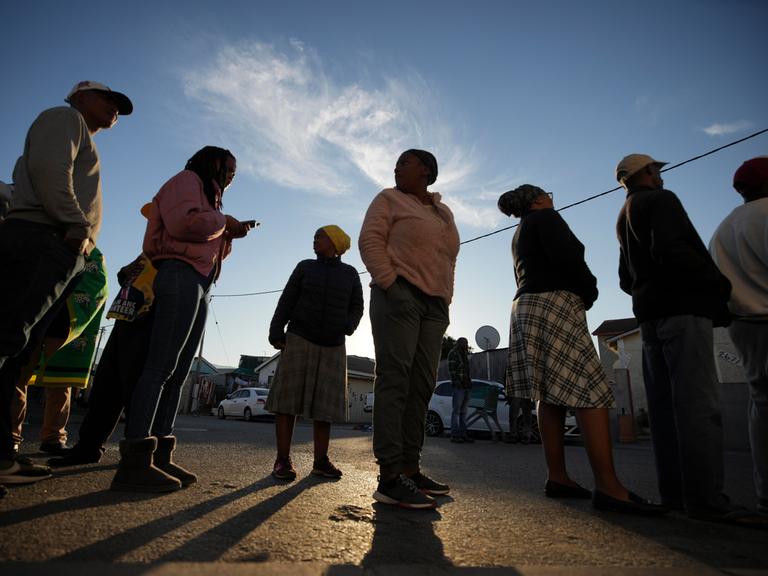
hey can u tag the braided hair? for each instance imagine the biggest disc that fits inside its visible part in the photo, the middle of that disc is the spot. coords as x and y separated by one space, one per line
203 163
517 202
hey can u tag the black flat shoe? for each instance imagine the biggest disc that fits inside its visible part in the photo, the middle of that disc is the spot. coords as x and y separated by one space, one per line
635 505
75 457
557 490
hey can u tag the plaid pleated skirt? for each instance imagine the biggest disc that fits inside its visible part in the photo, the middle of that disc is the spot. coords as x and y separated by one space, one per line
551 354
310 381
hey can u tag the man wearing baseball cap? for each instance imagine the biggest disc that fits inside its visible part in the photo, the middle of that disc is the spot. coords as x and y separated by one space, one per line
678 295
52 223
739 247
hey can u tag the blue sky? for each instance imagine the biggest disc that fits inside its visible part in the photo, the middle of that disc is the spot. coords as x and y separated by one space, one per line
317 100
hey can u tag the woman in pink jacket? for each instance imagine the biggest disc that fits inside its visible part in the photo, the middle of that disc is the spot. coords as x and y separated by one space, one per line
186 239
409 244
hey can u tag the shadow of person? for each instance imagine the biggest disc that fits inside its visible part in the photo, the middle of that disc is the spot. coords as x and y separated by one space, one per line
402 537
210 545
111 548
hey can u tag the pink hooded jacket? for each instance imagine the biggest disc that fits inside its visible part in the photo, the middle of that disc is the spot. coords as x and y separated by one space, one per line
184 226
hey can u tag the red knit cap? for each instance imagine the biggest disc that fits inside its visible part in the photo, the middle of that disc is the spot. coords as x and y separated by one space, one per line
752 175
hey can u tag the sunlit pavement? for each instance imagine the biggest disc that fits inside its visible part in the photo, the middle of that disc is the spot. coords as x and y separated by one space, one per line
238 520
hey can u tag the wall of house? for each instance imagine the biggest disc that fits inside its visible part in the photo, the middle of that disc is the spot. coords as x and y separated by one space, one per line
359 388
733 388
266 374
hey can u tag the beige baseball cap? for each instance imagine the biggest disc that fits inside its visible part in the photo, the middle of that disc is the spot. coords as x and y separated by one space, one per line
124 104
633 163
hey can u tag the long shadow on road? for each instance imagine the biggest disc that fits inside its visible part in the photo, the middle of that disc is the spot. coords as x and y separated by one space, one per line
114 547
82 502
212 544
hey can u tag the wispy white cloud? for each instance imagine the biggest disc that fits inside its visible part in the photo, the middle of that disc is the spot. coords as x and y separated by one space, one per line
293 123
718 129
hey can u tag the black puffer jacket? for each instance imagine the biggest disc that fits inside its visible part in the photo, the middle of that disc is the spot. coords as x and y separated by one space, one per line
322 302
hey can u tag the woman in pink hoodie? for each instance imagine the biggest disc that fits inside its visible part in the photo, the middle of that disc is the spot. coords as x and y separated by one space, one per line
186 239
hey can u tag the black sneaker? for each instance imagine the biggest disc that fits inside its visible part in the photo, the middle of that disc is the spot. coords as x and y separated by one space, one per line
76 456
22 471
58 448
403 492
325 468
429 486
3 490
284 470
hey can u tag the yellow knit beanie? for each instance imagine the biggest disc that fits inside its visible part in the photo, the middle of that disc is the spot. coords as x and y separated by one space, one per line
339 238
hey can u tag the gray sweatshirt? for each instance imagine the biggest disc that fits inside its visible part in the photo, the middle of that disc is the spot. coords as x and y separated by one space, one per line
57 179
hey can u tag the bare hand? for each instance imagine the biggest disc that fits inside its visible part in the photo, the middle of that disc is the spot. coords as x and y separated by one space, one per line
235 228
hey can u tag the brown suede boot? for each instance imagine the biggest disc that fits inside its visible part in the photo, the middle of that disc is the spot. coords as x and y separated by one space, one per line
136 473
164 460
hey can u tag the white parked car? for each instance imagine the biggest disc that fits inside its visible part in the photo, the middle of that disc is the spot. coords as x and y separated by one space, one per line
245 403
441 406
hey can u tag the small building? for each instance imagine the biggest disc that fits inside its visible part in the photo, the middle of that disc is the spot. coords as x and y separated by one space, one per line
620 348
360 374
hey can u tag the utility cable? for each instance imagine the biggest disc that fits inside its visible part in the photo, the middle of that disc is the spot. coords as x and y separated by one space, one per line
588 199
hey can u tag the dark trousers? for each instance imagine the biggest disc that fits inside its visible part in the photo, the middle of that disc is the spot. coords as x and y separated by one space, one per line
180 309
38 270
408 328
120 367
684 410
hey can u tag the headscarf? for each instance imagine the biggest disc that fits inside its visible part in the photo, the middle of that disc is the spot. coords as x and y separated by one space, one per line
517 201
340 239
429 161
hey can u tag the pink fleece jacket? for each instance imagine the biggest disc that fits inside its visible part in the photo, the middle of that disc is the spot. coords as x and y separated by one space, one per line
183 225
403 237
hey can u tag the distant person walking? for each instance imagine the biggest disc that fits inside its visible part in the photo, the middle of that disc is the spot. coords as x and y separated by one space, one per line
739 247
461 382
551 355
187 237
409 243
678 295
53 221
321 304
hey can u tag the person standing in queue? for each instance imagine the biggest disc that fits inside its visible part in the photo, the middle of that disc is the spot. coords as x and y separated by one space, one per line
321 304
186 239
409 244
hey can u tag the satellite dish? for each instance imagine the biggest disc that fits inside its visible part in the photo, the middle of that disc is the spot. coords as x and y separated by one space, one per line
487 337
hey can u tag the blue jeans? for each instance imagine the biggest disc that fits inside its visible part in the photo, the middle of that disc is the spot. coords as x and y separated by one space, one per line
38 271
180 309
459 414
684 410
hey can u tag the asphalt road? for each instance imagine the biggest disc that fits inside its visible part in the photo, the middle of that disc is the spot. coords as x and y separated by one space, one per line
237 519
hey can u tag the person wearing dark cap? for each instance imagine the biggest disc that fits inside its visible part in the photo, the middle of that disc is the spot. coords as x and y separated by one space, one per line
53 221
322 303
552 359
739 247
678 296
409 244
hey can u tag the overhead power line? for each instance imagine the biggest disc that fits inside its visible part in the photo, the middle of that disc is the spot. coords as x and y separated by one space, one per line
583 201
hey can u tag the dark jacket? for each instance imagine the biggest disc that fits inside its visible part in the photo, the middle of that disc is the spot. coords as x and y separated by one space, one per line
458 368
322 302
549 257
664 264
